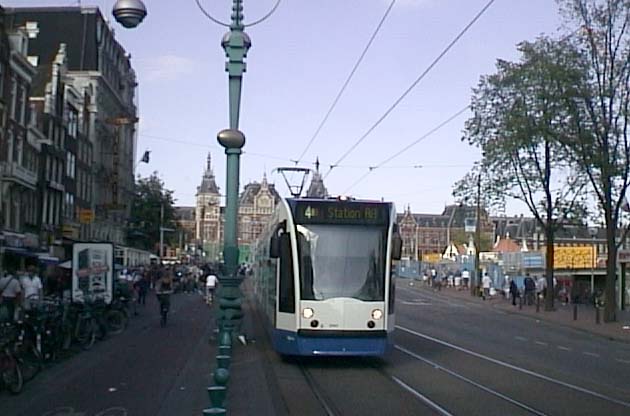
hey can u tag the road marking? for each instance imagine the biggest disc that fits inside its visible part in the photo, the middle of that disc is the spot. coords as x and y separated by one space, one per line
422 397
560 347
467 380
513 367
592 354
541 343
520 338
621 360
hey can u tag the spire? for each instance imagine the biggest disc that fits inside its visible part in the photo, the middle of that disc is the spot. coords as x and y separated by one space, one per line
317 189
208 184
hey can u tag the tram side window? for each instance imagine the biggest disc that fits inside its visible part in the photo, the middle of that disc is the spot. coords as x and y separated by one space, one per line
287 290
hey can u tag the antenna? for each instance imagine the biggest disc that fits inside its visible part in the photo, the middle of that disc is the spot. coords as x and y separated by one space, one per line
295 190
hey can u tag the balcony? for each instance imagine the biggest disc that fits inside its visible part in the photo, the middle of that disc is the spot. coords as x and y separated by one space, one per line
13 172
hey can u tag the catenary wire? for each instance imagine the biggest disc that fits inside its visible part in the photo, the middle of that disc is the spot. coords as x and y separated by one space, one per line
345 84
268 156
411 87
410 145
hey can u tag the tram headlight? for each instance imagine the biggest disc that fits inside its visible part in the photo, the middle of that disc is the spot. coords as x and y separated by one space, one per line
308 313
377 314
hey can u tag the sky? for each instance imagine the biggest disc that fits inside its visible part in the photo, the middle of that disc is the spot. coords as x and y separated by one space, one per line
299 60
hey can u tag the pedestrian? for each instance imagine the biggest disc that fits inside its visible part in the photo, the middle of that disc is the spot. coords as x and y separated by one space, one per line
514 291
486 282
530 287
32 286
211 283
541 287
142 286
10 292
465 277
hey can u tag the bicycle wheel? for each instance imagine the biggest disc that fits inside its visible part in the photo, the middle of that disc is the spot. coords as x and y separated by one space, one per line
116 321
86 332
12 376
30 358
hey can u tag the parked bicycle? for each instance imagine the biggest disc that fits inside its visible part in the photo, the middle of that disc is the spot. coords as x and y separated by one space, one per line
10 372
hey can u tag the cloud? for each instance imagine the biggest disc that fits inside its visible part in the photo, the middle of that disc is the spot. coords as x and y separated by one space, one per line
167 68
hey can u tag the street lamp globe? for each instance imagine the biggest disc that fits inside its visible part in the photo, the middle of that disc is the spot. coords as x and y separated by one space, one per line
129 13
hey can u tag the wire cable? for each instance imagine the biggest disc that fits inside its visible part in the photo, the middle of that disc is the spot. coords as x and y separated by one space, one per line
345 84
411 87
409 146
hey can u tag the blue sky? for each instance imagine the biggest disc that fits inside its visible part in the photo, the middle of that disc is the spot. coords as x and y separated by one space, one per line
298 62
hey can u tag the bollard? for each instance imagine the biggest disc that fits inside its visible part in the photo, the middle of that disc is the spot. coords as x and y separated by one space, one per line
223 361
575 311
217 396
537 304
215 411
596 315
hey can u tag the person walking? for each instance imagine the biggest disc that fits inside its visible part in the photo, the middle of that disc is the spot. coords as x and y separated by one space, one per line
530 287
514 292
10 291
486 282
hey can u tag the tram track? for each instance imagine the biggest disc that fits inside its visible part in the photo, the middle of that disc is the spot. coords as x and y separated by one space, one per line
318 391
463 366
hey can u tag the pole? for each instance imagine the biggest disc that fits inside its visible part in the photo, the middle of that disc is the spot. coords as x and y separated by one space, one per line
161 232
593 266
475 279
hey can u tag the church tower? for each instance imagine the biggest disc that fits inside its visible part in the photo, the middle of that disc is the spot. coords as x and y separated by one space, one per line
208 210
317 189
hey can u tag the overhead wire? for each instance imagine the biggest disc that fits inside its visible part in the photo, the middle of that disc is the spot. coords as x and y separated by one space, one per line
345 84
410 145
410 88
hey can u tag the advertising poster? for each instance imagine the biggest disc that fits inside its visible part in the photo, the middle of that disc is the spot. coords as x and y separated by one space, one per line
92 271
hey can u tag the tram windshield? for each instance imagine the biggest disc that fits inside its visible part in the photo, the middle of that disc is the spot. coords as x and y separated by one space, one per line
342 261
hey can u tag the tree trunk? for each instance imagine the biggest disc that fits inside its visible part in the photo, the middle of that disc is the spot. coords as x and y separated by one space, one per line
610 308
549 237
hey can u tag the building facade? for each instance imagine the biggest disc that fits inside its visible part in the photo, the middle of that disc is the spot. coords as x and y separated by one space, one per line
256 205
101 93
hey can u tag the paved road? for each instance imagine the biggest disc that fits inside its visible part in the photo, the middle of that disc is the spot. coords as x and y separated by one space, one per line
459 357
147 370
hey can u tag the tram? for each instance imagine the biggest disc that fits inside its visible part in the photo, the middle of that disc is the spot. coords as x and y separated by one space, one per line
322 276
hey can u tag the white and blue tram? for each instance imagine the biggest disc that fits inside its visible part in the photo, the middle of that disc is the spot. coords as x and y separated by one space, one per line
322 276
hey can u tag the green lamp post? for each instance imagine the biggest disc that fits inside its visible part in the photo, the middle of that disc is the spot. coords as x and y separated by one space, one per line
236 43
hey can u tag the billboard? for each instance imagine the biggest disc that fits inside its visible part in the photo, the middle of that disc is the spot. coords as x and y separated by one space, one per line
573 257
92 271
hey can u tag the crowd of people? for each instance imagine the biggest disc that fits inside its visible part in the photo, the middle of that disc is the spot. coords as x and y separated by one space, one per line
19 290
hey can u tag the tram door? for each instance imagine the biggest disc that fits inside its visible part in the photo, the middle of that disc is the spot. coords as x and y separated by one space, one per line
285 289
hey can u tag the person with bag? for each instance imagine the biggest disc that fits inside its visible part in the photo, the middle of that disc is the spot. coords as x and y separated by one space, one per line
10 292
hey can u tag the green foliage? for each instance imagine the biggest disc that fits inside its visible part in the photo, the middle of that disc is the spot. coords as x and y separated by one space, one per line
150 197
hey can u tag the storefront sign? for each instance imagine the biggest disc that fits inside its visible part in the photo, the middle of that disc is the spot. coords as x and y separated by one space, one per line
573 257
92 271
623 256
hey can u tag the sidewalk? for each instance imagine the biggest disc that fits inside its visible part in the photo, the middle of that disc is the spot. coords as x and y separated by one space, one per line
563 315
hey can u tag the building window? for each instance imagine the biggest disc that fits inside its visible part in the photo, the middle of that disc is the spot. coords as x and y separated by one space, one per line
73 122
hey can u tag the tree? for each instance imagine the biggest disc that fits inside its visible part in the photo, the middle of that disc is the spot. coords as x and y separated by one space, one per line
598 135
518 118
151 201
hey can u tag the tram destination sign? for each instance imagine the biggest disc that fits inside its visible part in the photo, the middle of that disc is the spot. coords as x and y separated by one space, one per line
355 213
